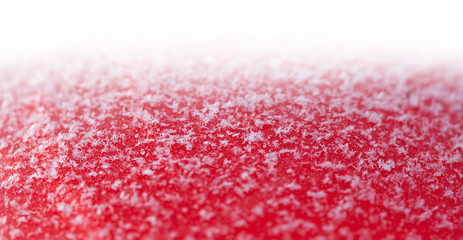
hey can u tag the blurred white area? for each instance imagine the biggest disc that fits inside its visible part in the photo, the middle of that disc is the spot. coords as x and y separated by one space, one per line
48 27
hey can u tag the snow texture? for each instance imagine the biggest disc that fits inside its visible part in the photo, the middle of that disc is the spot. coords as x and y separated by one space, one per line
230 149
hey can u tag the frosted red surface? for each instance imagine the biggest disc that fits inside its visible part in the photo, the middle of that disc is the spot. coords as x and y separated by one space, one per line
247 150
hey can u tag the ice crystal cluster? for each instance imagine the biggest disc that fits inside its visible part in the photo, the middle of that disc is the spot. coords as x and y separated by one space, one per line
237 148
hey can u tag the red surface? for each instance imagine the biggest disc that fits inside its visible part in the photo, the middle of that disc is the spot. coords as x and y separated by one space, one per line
245 150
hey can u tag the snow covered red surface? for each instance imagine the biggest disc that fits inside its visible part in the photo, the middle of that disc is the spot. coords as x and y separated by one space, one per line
236 148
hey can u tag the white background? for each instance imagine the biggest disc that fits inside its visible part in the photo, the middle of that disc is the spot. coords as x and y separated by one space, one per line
50 27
